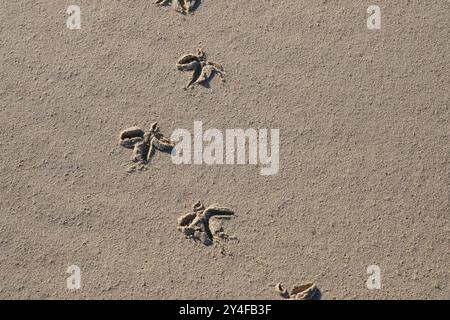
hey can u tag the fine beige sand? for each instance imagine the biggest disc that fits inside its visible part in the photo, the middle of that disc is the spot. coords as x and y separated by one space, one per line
364 163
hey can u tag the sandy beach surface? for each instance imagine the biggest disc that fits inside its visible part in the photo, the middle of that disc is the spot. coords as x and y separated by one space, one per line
364 149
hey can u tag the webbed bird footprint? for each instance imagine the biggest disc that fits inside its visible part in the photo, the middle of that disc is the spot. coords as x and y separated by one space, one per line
144 144
181 6
307 291
202 70
203 224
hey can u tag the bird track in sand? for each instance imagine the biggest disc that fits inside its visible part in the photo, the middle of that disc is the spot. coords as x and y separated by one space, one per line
307 291
203 223
181 6
202 70
144 144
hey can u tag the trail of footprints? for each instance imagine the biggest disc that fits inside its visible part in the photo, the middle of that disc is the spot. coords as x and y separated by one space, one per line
202 224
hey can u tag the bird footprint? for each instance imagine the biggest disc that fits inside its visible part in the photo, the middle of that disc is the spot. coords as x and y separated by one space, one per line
202 70
144 144
202 223
307 291
181 6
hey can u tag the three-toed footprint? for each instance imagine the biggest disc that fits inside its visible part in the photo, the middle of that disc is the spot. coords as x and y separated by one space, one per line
144 144
202 70
181 6
307 291
203 223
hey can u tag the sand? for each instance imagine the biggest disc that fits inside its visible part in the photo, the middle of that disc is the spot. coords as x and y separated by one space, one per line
364 163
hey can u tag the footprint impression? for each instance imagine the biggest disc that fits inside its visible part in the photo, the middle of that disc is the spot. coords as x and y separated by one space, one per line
144 144
181 6
307 291
202 71
204 224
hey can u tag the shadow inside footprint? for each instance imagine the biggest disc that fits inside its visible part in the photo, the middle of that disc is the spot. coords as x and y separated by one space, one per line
317 295
196 5
167 151
207 82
